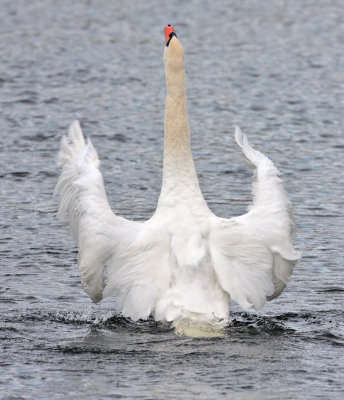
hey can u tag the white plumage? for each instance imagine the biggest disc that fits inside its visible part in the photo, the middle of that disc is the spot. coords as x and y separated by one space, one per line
184 263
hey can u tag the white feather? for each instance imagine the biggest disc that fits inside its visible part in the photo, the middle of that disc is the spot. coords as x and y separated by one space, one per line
253 254
184 263
83 201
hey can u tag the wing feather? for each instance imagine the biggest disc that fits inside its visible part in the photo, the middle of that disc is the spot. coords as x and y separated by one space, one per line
253 254
98 232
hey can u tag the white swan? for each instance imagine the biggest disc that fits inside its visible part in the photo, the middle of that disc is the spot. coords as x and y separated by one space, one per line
184 263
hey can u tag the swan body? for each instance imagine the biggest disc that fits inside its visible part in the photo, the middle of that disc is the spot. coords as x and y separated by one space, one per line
184 263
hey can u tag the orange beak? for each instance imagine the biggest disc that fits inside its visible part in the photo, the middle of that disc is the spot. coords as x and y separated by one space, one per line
168 30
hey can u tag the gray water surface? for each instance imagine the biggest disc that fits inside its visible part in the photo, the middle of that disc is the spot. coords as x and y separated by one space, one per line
273 67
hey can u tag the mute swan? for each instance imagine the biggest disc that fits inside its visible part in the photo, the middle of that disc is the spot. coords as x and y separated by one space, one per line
184 263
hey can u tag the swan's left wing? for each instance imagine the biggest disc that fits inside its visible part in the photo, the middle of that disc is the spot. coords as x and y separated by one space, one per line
253 254
100 234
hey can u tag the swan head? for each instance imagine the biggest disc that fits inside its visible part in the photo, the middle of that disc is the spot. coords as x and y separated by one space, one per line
174 53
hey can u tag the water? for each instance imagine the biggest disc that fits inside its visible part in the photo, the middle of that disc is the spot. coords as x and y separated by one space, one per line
274 68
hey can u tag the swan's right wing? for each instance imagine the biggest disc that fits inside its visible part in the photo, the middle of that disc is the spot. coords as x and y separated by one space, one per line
99 233
253 254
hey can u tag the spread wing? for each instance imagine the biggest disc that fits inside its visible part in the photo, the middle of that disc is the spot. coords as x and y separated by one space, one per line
253 254
99 233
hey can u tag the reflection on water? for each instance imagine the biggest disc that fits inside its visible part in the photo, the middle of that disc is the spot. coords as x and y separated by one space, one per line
273 68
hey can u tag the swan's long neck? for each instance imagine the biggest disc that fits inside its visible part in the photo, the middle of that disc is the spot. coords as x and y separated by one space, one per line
179 169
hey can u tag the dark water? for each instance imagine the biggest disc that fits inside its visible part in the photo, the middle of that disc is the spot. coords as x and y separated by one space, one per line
276 69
